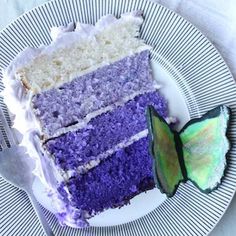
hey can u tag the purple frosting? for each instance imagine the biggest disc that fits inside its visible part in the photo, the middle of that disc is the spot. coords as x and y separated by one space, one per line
115 181
90 92
78 147
76 215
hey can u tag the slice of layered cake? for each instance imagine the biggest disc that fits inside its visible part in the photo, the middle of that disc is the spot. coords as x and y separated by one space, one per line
81 105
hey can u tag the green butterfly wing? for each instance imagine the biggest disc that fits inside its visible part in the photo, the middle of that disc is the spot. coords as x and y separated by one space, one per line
163 149
205 146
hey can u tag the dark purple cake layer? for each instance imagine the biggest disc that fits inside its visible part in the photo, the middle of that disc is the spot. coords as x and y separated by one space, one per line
78 147
64 106
115 181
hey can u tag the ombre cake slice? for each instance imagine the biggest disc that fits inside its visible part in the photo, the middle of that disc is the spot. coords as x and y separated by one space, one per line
83 99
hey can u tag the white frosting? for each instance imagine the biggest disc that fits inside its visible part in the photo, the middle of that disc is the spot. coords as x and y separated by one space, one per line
57 32
171 120
87 30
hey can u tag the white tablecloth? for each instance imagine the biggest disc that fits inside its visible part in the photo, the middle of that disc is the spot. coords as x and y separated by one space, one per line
215 18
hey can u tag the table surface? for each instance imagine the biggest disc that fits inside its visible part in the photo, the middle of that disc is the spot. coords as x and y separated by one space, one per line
11 9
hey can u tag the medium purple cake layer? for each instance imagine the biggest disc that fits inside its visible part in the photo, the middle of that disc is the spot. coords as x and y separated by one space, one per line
64 106
115 181
102 133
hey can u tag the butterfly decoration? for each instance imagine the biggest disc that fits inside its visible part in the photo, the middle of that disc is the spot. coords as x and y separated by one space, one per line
196 153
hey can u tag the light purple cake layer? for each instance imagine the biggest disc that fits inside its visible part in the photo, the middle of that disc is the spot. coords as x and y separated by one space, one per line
77 148
114 182
64 106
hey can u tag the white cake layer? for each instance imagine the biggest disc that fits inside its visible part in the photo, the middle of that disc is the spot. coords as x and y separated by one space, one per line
73 53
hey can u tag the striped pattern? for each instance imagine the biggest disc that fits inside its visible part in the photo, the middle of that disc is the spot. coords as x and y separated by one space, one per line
202 77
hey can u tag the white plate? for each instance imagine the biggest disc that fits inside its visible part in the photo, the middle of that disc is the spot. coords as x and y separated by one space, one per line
200 79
